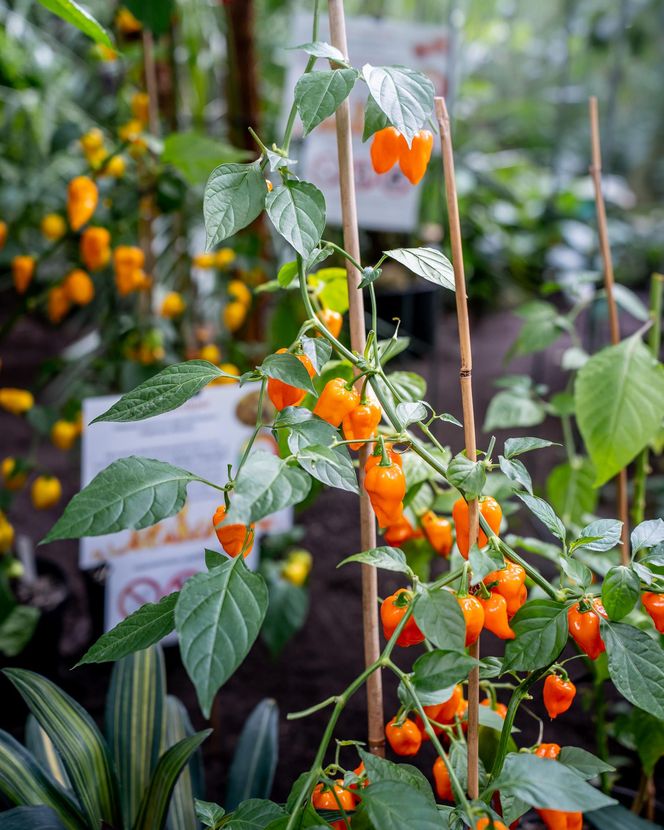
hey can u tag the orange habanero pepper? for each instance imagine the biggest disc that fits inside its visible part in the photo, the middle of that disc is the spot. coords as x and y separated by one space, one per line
441 776
500 708
404 739
400 533
386 486
557 819
386 148
413 160
485 824
473 614
283 394
233 538
337 400
654 605
509 583
584 628
444 713
489 508
391 614
495 616
323 798
23 270
558 694
95 248
332 320
82 197
361 423
438 531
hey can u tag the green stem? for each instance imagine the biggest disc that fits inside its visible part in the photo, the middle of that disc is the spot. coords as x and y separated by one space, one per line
310 65
304 713
343 253
254 435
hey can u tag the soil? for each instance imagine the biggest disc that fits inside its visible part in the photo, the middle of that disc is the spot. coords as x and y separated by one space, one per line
325 656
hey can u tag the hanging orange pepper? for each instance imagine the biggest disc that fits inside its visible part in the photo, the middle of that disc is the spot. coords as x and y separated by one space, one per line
473 613
4 231
654 605
495 616
584 627
413 160
400 533
386 485
557 819
362 423
441 776
332 320
392 610
283 394
444 713
23 269
376 457
558 694
82 197
405 739
510 583
385 149
95 248
485 824
323 798
491 511
500 708
337 400
233 538
438 531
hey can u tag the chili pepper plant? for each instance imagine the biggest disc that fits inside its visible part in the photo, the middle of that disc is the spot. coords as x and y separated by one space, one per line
328 397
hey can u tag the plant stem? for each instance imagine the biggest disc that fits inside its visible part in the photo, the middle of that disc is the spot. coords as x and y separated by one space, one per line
255 433
290 123
343 253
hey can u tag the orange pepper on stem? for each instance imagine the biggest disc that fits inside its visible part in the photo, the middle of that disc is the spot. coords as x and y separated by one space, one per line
441 776
283 394
444 713
361 423
558 694
654 605
438 531
323 798
473 614
332 320
400 533
391 614
557 819
386 486
233 538
510 583
82 197
385 149
495 616
337 400
489 508
404 739
584 628
413 160
485 824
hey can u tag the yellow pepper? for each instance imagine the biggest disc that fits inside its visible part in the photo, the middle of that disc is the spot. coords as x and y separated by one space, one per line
173 305
224 257
53 226
12 477
82 198
64 434
210 352
46 492
234 315
16 401
140 106
239 292
23 270
297 567
6 534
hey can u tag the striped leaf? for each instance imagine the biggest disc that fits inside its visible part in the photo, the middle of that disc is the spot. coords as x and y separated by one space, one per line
30 818
182 812
81 746
23 782
154 809
135 709
252 770
41 746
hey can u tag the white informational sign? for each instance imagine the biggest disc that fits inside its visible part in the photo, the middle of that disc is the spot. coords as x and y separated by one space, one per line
203 436
387 202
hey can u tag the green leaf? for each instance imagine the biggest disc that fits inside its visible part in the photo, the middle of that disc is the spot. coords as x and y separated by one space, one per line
440 619
545 514
387 558
318 94
582 762
209 814
517 473
17 628
619 396
542 782
288 606
132 492
297 211
288 369
409 385
75 736
393 805
234 197
576 571
636 665
41 747
569 489
218 616
330 466
410 412
469 477
647 535
154 808
542 327
143 628
620 591
331 287
509 409
23 781
182 811
304 429
287 273
648 734
429 263
165 391
440 669
321 49
605 534
374 119
405 96
254 763
541 634
265 484
134 716
194 154
256 814
155 15
318 350
79 17
379 769
483 562
517 446
30 818
618 817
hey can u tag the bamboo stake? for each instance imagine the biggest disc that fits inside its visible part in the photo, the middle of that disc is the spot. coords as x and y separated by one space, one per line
376 734
466 381
609 281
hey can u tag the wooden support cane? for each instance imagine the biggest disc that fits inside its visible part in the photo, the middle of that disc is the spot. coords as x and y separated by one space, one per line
376 734
614 324
466 381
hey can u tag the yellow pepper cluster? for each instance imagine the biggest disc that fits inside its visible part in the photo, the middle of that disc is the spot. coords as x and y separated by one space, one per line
128 261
